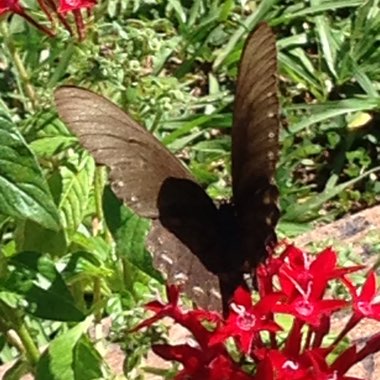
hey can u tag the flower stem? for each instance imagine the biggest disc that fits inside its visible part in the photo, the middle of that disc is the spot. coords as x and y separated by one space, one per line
80 25
33 22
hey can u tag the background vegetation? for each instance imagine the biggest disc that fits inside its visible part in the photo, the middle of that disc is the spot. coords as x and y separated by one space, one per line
172 64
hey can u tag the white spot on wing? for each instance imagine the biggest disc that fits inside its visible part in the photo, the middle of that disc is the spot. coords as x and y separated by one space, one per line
215 293
181 277
167 259
198 290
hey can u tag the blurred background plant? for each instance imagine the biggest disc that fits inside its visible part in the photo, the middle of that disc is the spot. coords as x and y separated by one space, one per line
172 64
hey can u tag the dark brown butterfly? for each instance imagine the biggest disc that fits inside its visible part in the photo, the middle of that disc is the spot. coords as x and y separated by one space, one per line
207 249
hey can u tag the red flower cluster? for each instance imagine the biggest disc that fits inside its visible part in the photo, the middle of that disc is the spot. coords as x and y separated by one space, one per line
295 284
53 9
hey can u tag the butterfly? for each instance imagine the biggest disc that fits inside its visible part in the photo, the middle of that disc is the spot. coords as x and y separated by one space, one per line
206 248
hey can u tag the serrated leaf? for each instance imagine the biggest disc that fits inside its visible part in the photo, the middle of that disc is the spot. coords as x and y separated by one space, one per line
48 135
24 193
76 187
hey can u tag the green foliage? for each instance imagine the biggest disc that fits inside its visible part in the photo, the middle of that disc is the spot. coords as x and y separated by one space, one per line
24 193
69 250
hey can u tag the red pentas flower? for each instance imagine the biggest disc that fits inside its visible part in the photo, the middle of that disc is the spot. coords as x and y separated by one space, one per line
53 11
309 309
303 269
74 5
293 283
366 303
10 6
246 320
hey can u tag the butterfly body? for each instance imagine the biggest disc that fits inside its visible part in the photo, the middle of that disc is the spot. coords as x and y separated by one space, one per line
206 248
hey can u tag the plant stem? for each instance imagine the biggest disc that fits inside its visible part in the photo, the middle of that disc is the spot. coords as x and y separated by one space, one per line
31 350
19 65
97 299
99 188
11 322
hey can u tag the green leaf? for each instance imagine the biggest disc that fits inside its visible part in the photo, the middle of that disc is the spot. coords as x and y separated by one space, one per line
47 134
328 46
36 277
325 6
324 111
31 236
85 264
249 23
71 357
24 193
301 212
289 229
129 232
77 181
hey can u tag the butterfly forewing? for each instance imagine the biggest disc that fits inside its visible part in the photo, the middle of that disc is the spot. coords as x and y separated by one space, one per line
255 144
138 162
